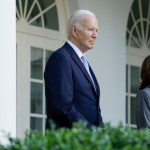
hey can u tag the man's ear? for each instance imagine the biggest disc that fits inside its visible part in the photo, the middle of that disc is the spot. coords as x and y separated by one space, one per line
74 31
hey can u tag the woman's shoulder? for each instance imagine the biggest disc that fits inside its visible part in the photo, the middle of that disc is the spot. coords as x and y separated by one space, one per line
147 90
144 92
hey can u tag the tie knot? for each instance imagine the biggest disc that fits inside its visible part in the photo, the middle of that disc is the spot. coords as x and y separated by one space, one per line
84 59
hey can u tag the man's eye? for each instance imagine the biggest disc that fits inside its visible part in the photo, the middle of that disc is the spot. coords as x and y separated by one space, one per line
90 29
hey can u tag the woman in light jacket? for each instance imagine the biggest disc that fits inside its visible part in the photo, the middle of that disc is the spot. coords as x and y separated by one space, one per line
143 96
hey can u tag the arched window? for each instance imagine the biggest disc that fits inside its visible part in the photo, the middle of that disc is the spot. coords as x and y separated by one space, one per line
40 13
138 27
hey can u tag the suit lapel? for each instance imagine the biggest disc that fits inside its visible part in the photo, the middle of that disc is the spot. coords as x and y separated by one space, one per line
81 66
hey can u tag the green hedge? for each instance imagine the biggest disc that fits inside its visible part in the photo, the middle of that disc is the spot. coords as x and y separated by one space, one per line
82 138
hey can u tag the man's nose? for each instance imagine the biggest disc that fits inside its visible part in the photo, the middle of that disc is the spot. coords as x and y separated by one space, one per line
94 34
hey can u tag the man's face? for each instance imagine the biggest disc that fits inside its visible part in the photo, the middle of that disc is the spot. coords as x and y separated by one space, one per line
87 34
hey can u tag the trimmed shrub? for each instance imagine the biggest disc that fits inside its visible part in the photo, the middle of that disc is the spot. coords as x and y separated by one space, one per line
82 138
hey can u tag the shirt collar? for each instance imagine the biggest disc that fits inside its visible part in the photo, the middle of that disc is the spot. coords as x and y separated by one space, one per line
78 52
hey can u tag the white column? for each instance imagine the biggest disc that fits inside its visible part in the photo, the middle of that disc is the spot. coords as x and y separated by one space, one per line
8 68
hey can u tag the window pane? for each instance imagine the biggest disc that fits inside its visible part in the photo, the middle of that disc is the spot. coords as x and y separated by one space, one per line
133 110
136 38
45 3
139 28
23 4
37 22
130 22
17 5
134 79
145 7
35 10
29 4
135 9
134 43
36 123
51 19
36 98
36 63
145 24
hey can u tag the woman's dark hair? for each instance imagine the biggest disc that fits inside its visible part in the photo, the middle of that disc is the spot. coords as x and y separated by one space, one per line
145 73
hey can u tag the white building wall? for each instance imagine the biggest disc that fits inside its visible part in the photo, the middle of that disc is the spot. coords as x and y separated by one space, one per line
8 68
109 55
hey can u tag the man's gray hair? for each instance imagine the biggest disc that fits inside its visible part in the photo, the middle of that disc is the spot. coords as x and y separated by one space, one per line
76 19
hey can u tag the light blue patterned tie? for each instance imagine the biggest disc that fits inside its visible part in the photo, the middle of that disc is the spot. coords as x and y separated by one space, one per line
86 65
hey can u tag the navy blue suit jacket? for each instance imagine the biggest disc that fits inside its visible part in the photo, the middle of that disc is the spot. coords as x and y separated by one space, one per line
70 94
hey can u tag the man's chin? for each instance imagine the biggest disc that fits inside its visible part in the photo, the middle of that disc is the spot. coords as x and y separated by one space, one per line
90 47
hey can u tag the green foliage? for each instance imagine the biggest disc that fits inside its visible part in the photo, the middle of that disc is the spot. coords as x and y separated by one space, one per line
82 138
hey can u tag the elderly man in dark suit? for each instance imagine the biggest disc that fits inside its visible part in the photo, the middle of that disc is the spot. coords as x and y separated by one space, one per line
71 88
